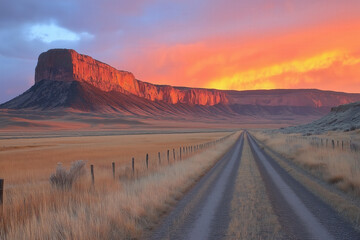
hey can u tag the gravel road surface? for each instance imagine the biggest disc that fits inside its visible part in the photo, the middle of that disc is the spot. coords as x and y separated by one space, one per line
204 212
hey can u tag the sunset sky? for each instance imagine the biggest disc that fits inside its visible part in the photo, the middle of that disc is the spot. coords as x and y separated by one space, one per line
225 44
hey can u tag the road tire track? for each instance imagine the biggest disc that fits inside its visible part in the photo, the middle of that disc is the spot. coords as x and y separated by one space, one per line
198 214
301 213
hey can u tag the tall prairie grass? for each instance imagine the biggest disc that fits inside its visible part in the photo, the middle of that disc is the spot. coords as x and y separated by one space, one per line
123 208
338 166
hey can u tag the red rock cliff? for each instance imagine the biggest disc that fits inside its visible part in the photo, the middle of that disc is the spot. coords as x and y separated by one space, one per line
68 65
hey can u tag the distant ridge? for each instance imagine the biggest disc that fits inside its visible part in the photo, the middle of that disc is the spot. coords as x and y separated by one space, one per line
67 80
341 118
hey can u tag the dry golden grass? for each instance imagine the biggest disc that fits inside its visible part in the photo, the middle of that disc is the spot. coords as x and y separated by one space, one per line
111 209
338 166
252 216
26 160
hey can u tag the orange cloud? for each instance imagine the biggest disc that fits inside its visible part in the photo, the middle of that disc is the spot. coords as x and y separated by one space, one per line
262 78
325 56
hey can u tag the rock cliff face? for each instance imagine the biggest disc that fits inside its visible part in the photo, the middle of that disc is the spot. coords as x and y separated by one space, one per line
68 65
65 79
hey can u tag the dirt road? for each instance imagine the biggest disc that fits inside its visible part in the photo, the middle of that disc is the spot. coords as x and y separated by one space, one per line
247 195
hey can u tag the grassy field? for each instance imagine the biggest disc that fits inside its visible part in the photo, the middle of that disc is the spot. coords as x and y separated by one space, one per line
126 206
327 156
27 160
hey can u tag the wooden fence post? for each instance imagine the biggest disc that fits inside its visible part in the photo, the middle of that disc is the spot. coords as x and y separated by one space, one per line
133 165
147 161
1 192
92 174
174 153
168 156
159 157
113 169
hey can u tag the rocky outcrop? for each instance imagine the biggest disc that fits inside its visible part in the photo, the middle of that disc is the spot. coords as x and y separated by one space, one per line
346 107
68 65
65 79
341 118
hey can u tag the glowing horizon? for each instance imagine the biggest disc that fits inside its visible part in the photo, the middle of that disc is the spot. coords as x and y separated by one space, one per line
330 62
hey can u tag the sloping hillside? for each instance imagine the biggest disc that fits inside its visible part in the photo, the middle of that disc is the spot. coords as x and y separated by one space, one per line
343 118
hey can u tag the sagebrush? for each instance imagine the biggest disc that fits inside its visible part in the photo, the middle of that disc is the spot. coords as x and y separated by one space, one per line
64 179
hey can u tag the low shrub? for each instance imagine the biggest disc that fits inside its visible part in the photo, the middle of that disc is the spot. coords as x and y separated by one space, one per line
63 179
